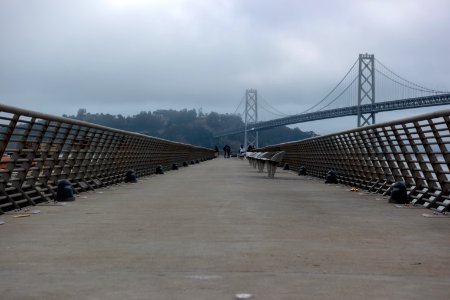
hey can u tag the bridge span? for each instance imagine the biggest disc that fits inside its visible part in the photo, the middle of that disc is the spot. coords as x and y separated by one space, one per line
401 104
215 229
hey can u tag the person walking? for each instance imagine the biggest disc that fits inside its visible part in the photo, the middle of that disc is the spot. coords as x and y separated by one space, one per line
241 151
217 151
226 151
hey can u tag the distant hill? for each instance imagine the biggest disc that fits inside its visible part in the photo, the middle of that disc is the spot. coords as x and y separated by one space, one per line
188 126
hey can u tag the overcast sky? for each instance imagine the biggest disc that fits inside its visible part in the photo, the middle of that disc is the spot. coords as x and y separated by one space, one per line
127 56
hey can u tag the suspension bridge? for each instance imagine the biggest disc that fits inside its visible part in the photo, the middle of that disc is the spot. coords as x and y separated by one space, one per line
353 95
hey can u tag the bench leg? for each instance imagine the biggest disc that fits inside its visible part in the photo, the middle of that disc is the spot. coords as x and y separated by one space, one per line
261 166
271 169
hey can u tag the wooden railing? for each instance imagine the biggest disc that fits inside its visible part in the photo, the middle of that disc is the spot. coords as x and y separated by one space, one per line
415 151
38 150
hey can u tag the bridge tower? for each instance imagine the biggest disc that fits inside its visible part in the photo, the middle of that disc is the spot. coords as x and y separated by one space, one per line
251 117
366 88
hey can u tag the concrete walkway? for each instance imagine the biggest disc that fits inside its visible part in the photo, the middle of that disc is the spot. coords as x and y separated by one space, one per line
213 230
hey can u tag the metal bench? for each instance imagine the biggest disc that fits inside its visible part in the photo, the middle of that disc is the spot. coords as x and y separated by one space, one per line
260 159
273 163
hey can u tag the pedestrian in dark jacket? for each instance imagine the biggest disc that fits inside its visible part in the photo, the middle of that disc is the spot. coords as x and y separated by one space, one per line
226 151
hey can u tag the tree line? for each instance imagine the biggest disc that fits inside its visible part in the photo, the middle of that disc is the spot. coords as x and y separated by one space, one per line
190 127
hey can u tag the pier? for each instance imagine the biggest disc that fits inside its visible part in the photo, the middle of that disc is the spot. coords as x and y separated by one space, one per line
219 228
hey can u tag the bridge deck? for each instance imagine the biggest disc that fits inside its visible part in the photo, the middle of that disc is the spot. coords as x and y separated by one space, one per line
212 230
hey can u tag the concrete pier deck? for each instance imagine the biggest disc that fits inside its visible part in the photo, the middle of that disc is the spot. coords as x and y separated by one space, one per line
213 230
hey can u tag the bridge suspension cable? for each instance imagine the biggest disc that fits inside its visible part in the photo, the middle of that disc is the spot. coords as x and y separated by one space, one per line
409 84
340 94
270 109
240 103
350 77
392 86
332 91
263 107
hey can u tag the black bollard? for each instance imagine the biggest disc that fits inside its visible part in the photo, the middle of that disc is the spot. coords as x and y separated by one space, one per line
302 171
130 176
174 167
65 191
185 164
286 167
192 162
197 161
398 193
159 170
331 177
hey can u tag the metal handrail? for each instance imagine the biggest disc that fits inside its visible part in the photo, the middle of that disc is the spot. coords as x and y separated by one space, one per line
413 150
39 149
